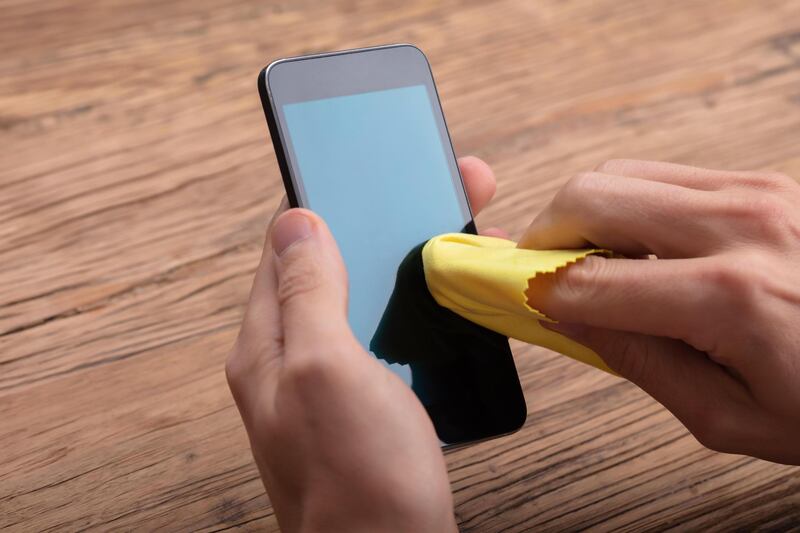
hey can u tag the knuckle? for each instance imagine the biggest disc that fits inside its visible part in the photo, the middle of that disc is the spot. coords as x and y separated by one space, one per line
735 284
312 372
613 166
766 209
574 186
726 274
579 282
765 181
775 180
582 182
299 276
247 354
581 192
763 216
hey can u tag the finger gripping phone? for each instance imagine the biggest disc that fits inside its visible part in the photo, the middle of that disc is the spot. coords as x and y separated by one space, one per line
361 140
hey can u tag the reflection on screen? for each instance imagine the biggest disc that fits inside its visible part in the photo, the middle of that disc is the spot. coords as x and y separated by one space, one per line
373 166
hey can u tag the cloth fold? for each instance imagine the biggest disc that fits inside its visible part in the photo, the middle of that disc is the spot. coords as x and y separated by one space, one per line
485 279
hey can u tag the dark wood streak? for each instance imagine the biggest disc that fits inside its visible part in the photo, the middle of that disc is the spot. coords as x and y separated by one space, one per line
563 480
157 280
586 497
120 357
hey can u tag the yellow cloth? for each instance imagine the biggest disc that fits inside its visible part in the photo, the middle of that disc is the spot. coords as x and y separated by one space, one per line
484 279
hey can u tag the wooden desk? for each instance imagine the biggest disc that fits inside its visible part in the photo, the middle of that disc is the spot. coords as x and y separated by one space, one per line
136 179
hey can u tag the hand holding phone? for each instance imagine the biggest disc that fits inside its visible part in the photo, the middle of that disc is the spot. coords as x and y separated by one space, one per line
340 440
361 140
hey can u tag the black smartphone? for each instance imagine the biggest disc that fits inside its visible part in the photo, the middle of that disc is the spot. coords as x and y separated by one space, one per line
361 140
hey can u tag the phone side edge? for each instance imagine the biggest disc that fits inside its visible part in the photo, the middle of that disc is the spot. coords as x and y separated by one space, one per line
274 132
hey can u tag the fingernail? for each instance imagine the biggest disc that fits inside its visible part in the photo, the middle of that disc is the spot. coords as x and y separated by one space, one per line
568 329
290 228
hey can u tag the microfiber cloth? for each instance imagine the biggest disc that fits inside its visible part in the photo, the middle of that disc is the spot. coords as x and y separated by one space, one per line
485 279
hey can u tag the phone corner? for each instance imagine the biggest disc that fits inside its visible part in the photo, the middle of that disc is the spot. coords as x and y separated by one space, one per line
519 423
266 72
416 50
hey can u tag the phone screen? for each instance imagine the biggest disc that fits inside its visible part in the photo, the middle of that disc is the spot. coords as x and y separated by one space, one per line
378 167
374 168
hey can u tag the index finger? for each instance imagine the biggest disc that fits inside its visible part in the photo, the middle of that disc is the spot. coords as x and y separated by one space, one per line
665 298
628 215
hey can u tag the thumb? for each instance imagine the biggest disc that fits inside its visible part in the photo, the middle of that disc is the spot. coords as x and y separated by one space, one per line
311 280
699 392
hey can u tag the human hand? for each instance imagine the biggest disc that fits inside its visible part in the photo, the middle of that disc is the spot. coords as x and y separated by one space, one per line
342 444
711 329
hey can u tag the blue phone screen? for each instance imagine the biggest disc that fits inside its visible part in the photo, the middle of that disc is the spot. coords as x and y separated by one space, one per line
374 168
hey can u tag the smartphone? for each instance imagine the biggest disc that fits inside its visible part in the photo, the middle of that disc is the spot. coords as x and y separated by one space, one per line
361 140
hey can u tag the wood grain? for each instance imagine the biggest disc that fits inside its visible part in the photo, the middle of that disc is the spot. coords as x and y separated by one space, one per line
136 179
